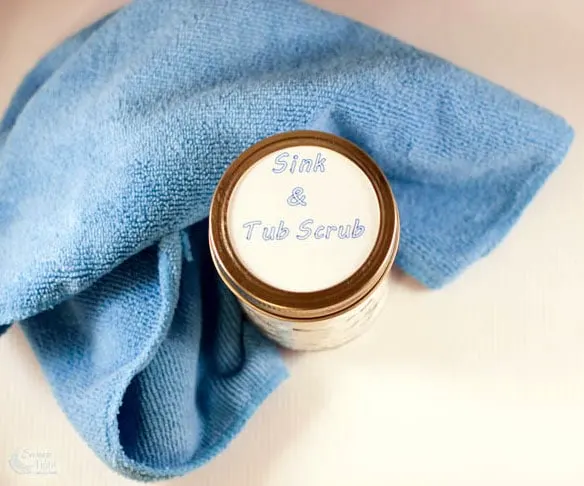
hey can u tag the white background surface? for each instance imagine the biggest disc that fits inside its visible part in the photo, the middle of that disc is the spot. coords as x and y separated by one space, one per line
478 384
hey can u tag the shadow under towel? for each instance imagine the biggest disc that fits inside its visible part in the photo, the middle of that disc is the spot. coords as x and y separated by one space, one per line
110 152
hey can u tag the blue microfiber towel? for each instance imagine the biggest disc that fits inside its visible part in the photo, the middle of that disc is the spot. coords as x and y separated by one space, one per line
110 152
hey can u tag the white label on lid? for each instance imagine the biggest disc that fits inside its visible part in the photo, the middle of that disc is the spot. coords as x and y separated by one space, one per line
303 219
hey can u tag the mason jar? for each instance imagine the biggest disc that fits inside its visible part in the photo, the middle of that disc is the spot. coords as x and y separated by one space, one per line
304 229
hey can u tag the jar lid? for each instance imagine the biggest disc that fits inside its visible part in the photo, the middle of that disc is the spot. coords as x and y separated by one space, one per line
303 225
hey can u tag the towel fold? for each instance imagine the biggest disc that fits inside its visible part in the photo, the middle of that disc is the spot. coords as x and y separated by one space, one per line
110 152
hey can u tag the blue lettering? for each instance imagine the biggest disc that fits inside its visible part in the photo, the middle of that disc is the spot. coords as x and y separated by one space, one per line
319 164
305 165
358 229
305 228
329 230
269 233
344 232
283 231
293 164
281 162
250 225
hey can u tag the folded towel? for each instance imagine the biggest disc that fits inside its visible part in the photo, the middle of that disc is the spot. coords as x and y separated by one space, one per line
110 152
